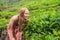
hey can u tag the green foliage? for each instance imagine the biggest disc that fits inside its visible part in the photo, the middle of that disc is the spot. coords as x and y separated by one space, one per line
44 22
3 23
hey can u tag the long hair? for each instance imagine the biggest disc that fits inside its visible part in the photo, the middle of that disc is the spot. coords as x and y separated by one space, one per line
21 19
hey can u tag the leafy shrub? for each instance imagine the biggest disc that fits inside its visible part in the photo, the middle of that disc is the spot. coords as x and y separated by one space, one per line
44 22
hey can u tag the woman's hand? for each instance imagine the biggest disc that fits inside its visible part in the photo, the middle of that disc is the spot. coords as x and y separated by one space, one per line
13 38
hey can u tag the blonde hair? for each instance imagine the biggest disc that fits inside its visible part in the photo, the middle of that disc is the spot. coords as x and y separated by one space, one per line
21 20
22 11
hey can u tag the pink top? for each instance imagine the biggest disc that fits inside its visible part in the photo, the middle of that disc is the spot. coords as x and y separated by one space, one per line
16 34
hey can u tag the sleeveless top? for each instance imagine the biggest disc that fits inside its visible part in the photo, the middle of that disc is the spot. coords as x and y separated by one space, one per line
15 26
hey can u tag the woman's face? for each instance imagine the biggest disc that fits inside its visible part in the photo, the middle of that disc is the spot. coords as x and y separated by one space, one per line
26 15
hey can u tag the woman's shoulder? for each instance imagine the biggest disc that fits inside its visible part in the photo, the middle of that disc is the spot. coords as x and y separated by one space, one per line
15 17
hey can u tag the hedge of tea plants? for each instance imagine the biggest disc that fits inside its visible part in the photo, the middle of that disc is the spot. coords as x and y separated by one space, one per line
44 21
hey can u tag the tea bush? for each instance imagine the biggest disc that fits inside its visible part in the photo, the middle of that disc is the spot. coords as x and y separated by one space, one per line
44 21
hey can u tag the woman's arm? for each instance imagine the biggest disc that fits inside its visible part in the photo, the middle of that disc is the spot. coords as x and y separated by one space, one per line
10 27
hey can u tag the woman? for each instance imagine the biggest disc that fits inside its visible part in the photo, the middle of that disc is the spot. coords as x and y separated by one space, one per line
15 26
